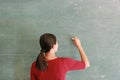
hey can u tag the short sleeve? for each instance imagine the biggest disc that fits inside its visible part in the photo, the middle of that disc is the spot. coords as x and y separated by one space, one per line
71 64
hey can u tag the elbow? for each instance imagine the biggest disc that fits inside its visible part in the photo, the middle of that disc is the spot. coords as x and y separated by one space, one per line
87 65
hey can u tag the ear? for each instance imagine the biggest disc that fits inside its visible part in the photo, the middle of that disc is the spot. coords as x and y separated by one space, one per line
54 46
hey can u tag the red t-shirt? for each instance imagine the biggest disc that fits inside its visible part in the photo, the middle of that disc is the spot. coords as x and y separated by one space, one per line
56 70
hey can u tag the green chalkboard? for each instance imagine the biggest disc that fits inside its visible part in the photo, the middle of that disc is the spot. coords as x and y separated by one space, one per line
95 22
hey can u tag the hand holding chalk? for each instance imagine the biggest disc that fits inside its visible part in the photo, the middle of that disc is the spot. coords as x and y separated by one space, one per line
76 41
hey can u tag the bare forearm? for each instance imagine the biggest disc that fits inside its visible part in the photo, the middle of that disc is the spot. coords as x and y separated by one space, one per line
81 51
83 56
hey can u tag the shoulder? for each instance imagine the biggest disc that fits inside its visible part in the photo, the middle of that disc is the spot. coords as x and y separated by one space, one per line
33 68
65 59
33 64
62 59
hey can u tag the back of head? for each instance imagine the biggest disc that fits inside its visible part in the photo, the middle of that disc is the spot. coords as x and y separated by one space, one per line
47 41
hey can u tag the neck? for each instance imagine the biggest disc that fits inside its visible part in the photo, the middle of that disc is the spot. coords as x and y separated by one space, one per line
50 56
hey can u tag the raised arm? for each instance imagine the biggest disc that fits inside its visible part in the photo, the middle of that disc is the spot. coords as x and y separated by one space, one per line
83 56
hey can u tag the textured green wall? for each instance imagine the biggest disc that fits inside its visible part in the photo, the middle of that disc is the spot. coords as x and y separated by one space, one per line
95 22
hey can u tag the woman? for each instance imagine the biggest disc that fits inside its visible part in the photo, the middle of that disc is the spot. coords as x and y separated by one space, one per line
50 67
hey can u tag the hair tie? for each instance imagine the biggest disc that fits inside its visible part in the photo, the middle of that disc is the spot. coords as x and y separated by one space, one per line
42 50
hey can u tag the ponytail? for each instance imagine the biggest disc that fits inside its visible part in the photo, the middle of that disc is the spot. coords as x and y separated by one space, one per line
46 42
41 63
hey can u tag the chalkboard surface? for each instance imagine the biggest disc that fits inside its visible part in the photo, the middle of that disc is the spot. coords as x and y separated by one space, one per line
95 22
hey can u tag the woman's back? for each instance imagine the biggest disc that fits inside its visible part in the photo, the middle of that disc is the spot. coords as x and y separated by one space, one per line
57 69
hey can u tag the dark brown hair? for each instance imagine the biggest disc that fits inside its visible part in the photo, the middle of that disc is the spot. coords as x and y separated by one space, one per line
46 41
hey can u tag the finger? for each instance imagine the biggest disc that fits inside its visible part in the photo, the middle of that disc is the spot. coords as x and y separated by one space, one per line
73 38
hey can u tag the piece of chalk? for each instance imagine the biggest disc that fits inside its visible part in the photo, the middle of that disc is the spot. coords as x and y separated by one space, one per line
73 38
